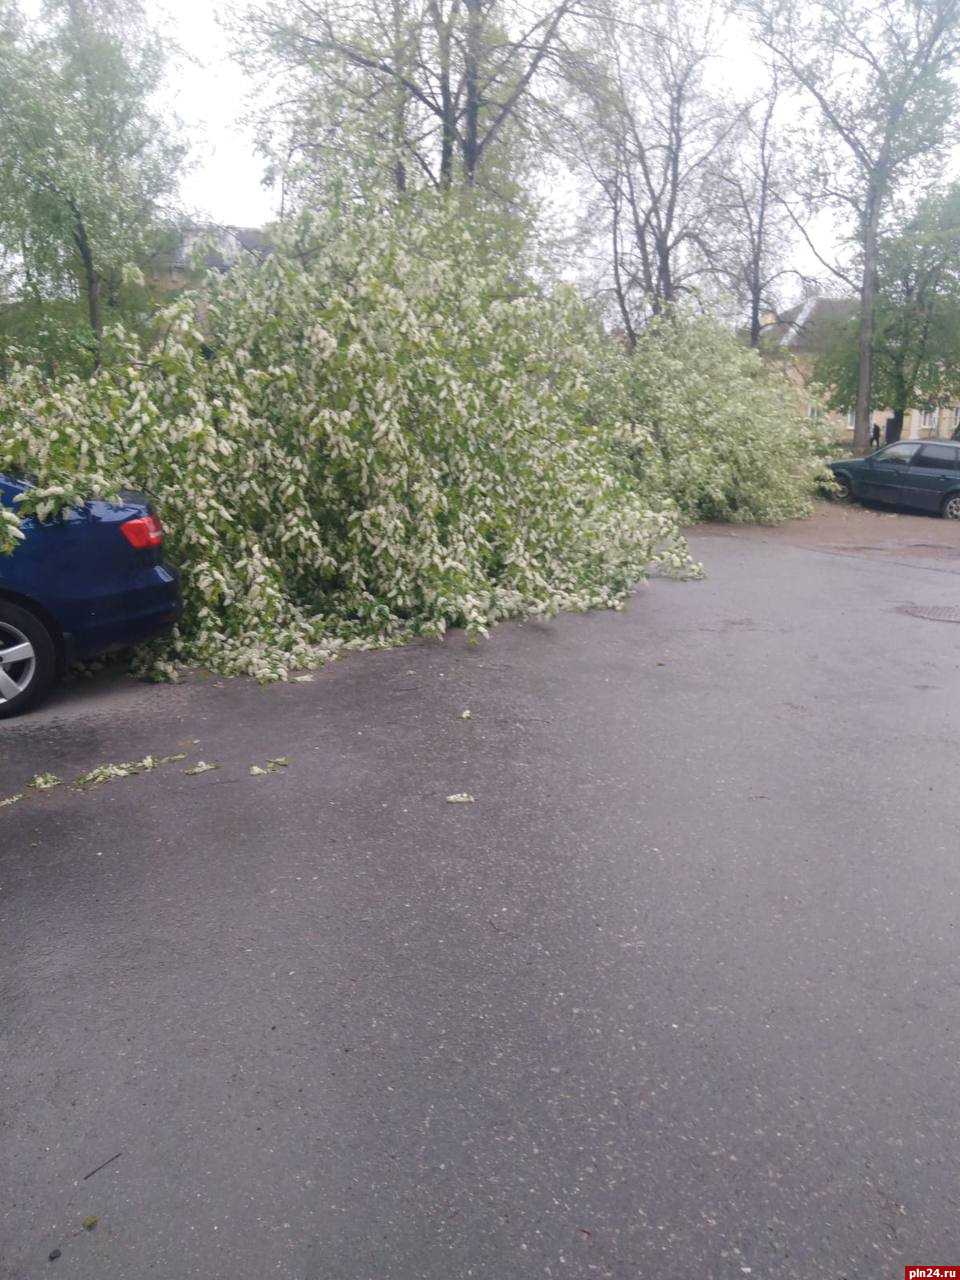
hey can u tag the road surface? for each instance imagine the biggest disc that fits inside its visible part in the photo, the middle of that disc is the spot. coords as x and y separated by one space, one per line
677 996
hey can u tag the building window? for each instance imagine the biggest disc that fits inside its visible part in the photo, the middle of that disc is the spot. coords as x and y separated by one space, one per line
928 421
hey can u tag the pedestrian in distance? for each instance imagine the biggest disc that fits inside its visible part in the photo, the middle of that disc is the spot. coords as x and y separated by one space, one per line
875 435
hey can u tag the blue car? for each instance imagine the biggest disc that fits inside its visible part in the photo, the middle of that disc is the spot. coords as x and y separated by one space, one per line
87 582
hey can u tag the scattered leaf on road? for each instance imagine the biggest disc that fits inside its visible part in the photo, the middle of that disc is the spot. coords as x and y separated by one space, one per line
11 799
201 767
460 797
44 781
465 715
107 772
278 762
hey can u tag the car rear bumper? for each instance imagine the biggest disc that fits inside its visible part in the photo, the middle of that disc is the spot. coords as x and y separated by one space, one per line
146 608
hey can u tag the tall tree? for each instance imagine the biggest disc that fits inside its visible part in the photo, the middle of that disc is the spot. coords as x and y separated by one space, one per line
878 77
655 141
417 91
751 203
84 159
917 333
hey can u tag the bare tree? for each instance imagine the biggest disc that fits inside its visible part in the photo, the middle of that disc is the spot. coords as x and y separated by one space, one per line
653 140
754 190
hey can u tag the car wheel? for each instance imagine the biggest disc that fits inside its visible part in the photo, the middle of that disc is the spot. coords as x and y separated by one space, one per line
951 507
28 659
843 491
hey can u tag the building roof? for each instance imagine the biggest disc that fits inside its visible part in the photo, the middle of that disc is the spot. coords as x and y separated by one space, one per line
811 325
224 246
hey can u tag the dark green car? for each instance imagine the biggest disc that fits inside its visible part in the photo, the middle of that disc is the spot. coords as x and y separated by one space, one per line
912 473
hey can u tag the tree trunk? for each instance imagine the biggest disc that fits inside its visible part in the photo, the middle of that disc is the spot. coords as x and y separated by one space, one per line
755 282
754 316
664 272
868 309
903 386
448 122
399 107
471 75
758 235
91 283
618 277
448 139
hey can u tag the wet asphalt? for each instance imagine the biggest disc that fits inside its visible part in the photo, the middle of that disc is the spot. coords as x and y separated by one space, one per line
677 996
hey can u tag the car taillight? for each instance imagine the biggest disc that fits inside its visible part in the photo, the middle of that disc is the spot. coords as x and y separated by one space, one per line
144 531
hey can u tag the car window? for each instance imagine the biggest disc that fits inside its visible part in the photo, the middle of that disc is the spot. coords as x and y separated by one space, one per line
936 456
896 455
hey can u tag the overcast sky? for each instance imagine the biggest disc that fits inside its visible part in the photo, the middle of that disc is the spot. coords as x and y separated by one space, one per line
209 97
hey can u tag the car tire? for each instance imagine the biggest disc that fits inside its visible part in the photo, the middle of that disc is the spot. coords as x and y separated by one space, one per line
28 659
844 489
951 507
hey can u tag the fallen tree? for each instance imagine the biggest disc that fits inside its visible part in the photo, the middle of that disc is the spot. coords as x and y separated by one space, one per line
378 433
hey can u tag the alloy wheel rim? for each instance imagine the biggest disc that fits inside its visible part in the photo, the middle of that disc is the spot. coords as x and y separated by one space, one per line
953 508
18 662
